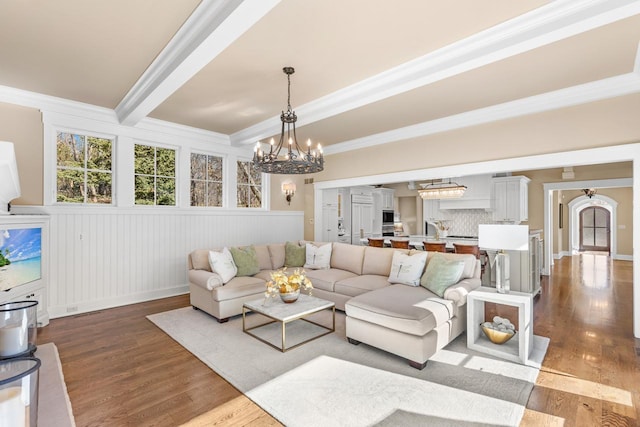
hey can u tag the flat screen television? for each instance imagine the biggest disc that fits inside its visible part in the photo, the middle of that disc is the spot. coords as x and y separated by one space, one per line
20 254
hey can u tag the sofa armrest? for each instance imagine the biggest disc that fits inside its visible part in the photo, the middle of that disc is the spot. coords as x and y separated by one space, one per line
205 279
458 292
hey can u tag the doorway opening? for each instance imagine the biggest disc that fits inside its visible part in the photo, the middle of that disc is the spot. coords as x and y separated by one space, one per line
592 225
594 229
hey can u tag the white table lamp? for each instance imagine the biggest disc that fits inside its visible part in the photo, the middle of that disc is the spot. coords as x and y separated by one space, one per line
503 237
9 180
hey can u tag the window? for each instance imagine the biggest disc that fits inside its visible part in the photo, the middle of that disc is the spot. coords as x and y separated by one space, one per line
249 186
206 180
83 169
155 175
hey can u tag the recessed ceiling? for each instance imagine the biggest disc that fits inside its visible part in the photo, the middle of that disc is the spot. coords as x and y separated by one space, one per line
362 67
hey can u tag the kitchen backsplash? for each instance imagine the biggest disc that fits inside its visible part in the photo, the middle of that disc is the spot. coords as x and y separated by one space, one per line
464 222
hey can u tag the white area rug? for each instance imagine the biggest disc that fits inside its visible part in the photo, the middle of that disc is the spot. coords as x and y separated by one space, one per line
54 406
330 382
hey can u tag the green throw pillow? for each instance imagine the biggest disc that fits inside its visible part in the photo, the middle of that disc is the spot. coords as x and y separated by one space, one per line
294 255
246 260
441 273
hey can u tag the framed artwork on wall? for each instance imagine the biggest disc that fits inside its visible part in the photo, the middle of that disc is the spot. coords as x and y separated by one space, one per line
560 215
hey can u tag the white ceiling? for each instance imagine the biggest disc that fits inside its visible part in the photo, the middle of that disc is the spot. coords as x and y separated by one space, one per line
365 69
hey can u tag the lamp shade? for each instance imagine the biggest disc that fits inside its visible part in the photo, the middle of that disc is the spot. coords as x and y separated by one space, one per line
506 237
9 180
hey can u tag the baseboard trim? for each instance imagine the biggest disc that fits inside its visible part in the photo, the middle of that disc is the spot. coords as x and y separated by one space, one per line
74 309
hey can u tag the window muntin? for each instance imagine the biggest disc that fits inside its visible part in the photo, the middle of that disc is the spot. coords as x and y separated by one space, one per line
249 186
206 180
154 175
84 169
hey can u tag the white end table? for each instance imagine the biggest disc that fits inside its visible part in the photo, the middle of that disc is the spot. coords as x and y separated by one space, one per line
517 349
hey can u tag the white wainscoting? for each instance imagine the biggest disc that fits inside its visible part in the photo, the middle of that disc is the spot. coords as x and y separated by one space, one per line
107 257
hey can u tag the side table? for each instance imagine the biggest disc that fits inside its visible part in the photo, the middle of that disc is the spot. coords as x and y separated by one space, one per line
517 349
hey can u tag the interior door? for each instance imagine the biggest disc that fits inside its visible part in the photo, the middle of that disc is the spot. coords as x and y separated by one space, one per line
595 223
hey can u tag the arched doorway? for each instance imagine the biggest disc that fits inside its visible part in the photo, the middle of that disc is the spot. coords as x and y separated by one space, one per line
595 229
576 208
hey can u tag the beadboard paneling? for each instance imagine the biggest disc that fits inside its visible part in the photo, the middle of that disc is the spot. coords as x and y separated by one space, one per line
103 258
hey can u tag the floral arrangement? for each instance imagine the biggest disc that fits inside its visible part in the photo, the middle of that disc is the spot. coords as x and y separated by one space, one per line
281 283
442 225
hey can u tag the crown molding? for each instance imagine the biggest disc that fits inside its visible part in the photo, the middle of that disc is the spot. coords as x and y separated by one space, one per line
548 24
63 110
612 87
210 29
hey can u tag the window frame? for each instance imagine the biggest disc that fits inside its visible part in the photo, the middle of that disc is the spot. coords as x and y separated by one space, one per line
176 177
86 134
223 182
263 184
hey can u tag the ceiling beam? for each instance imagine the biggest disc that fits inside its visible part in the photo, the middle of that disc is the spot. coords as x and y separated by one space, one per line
556 21
210 29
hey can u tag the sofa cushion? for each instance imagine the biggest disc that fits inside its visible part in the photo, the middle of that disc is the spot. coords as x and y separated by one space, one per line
347 257
470 262
442 273
246 260
377 261
294 255
222 263
277 254
239 287
264 258
357 285
407 269
317 257
200 259
326 279
408 309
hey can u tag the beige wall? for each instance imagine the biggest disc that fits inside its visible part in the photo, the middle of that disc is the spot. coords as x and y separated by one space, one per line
23 127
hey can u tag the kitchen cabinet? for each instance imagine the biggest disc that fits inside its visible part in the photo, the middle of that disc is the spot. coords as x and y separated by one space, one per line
329 223
511 199
330 197
361 220
431 210
387 198
330 217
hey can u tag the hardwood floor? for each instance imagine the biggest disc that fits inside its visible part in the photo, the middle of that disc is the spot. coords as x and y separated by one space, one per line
121 370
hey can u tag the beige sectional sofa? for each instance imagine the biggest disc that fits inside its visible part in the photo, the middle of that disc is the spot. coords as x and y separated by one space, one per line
409 321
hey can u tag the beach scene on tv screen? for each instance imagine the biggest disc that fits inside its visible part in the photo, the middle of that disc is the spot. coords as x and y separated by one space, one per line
20 256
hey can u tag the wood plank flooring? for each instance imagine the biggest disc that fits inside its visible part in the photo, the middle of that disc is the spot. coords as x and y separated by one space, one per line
121 370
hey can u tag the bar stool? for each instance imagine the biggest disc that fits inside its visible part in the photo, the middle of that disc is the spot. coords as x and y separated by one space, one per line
435 247
400 244
467 249
473 250
376 242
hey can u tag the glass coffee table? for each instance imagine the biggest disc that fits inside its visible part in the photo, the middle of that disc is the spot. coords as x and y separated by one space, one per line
278 311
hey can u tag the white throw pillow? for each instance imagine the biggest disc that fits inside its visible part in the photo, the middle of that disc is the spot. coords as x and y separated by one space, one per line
406 269
222 264
318 257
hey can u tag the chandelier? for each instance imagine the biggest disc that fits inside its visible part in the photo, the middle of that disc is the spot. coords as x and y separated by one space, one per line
442 190
294 159
590 192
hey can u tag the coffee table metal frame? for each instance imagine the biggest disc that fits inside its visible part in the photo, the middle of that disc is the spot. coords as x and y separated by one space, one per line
278 311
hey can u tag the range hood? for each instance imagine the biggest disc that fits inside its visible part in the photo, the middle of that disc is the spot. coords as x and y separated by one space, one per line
477 195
